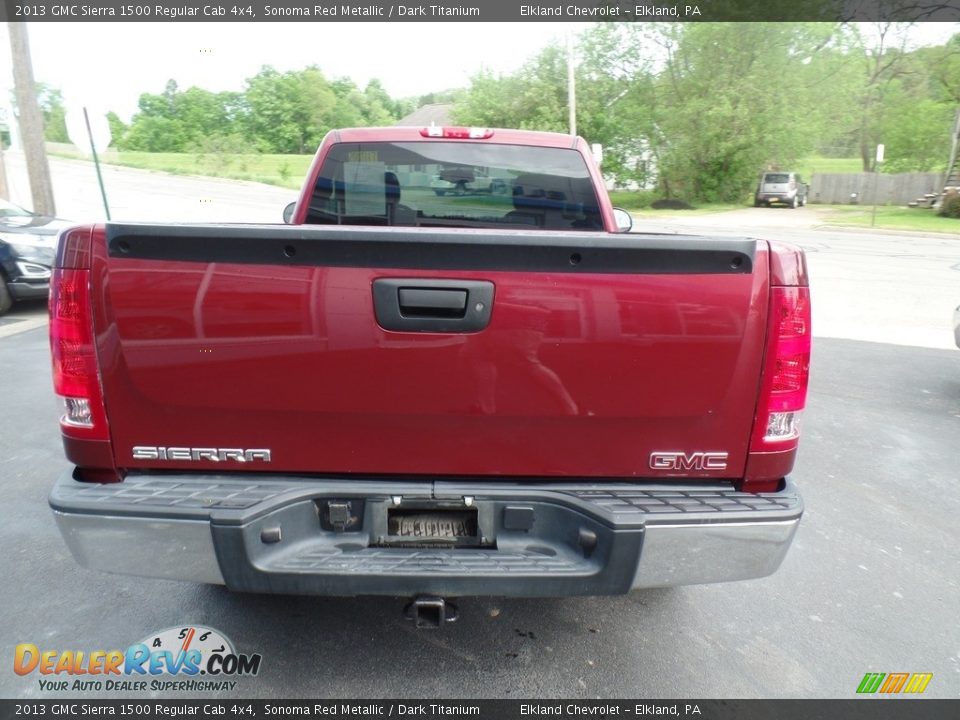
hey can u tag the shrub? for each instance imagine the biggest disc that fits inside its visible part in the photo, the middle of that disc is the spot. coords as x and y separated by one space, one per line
950 207
633 199
671 204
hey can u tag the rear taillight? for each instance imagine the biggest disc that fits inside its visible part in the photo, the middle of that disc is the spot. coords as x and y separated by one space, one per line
457 133
75 375
786 373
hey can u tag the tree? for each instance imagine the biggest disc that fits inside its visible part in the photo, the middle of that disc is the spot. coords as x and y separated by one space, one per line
381 109
877 90
916 133
54 113
615 82
942 65
289 112
880 59
732 100
181 121
920 108
532 98
50 101
706 105
703 107
277 112
118 130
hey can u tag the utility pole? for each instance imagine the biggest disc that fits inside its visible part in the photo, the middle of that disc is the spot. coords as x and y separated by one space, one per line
952 178
571 86
876 176
30 120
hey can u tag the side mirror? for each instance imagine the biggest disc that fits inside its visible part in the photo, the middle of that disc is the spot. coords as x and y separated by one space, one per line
624 220
288 212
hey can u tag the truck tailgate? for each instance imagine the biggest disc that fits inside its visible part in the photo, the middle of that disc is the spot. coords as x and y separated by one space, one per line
596 351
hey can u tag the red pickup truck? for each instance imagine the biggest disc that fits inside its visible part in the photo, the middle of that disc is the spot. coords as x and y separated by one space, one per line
432 396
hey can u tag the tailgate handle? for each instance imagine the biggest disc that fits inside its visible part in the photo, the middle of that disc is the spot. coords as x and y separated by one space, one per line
427 305
432 302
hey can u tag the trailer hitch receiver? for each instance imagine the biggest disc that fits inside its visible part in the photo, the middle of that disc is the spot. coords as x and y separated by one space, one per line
430 612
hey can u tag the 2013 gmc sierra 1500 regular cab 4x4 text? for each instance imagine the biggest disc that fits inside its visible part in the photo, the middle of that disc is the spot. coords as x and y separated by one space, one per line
410 394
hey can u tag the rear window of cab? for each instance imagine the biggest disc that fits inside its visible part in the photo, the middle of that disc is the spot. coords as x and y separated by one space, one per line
455 184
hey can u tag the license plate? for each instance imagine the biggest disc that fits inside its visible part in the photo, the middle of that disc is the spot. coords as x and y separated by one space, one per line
432 525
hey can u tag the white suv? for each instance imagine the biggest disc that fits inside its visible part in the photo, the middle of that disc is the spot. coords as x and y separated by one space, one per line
781 188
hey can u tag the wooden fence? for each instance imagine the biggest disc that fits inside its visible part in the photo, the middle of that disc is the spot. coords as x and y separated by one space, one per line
861 188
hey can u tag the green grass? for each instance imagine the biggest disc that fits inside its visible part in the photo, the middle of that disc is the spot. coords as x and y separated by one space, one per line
638 203
891 218
816 164
632 199
284 170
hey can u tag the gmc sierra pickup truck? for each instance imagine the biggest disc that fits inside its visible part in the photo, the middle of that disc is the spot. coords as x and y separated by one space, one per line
430 396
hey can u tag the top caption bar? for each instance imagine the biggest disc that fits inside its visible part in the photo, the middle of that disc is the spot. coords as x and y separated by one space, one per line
482 11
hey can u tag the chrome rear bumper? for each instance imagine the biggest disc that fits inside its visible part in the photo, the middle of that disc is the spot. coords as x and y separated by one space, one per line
267 534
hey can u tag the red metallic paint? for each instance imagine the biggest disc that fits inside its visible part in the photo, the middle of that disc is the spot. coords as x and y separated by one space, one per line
788 266
93 457
577 376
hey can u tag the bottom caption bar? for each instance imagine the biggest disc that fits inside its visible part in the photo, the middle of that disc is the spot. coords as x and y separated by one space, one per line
867 709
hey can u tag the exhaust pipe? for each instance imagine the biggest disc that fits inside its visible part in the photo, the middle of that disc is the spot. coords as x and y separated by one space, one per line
430 613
